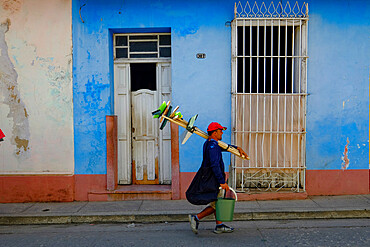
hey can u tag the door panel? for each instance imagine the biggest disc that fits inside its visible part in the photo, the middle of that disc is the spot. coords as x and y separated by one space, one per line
144 138
122 104
164 81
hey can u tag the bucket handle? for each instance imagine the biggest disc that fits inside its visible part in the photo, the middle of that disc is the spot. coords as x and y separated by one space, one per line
236 197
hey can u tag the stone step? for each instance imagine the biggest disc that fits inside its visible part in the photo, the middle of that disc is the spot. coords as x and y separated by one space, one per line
133 192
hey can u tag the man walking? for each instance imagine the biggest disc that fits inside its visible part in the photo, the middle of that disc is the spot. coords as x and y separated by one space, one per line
212 157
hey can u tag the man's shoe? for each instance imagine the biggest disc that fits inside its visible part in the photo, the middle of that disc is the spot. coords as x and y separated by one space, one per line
223 229
194 223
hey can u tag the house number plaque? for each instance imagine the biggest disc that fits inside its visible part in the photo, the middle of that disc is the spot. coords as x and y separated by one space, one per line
201 55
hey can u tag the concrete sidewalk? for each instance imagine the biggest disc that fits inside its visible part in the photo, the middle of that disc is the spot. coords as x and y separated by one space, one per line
314 207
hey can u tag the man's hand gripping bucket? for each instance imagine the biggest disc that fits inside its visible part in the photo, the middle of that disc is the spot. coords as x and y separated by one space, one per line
225 207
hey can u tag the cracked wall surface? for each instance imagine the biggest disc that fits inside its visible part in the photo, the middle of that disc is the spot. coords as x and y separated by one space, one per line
36 111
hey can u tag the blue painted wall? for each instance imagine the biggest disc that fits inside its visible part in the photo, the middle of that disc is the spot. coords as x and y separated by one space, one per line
337 73
196 26
338 83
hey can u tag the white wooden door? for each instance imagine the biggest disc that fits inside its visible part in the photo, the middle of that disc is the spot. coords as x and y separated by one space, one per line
145 151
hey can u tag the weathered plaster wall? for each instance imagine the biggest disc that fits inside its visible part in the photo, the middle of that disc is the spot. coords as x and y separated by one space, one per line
338 75
36 87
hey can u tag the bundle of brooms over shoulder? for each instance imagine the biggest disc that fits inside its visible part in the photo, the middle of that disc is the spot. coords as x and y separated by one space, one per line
165 114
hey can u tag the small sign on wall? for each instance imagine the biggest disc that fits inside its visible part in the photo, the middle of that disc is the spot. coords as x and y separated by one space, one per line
201 55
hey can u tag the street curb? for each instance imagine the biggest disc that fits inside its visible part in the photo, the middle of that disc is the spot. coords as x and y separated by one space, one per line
304 215
160 218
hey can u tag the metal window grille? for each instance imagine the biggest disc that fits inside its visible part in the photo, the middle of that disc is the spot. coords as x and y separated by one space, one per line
269 91
148 45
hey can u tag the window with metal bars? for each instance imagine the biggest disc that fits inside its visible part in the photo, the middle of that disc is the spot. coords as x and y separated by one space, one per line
269 67
269 96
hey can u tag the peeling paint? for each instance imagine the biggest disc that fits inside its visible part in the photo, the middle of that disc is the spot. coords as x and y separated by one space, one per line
12 6
345 158
344 102
17 108
21 144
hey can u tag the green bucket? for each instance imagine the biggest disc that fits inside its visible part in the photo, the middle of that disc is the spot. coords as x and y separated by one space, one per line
225 208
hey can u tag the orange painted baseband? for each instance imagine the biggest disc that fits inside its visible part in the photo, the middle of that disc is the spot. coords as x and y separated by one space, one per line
263 196
187 177
86 183
337 182
318 182
80 187
58 188
185 180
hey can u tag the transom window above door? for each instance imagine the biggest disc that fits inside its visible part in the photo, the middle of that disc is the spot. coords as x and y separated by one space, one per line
148 45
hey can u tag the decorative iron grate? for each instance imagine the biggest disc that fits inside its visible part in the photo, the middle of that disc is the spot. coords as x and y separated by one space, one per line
269 94
272 11
270 180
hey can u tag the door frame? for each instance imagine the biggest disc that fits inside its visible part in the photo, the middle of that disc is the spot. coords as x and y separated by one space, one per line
125 171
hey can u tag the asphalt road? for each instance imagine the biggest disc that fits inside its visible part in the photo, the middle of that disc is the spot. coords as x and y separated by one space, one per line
346 232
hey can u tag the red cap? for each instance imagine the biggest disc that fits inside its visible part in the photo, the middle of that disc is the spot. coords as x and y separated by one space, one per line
215 126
